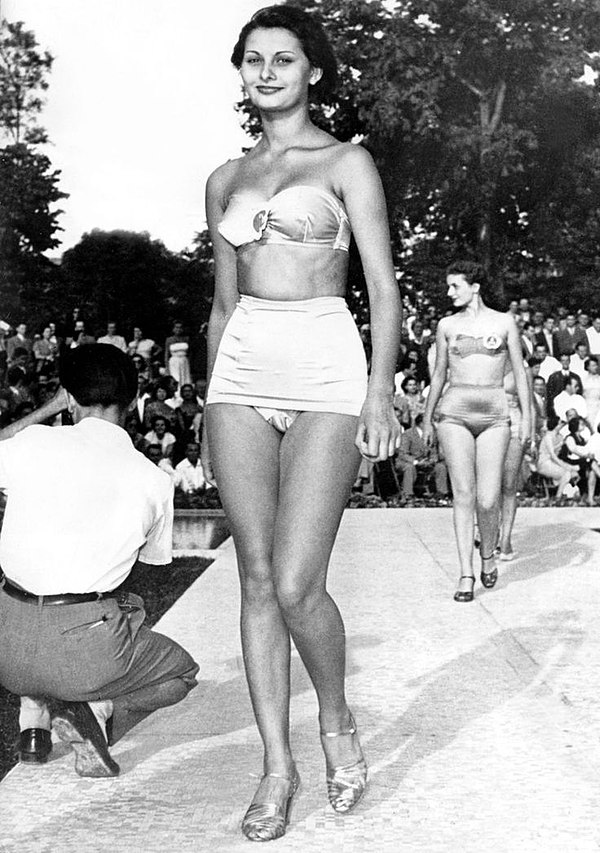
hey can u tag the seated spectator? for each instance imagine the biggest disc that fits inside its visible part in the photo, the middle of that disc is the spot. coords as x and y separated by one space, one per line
578 360
157 405
550 465
132 430
539 403
410 403
21 341
45 353
570 398
575 452
414 456
159 435
80 337
18 391
547 364
155 454
569 336
189 476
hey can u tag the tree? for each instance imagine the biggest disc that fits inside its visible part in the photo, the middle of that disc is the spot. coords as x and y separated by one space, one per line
28 184
458 103
23 77
129 278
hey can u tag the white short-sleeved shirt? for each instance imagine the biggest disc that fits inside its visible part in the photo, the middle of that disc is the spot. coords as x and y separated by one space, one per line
83 504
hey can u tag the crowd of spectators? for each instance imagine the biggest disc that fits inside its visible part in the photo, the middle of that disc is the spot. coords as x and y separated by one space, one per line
561 347
164 420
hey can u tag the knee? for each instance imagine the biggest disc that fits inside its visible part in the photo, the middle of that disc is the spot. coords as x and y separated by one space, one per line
258 588
296 598
463 495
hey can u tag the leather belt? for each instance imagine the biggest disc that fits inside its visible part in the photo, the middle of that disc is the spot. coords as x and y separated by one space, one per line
64 598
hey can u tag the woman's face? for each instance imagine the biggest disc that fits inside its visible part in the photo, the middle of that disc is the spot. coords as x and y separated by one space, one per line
275 70
593 367
161 395
459 290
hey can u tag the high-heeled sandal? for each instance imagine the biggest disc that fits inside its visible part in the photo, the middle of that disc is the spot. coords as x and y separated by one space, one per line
345 784
488 579
268 821
465 595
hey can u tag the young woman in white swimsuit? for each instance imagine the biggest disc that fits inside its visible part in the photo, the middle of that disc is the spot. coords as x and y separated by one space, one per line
290 408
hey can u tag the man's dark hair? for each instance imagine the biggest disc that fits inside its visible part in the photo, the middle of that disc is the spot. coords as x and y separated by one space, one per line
18 352
310 33
14 375
99 375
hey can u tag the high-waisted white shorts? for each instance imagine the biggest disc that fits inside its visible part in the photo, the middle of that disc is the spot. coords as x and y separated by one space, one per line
300 355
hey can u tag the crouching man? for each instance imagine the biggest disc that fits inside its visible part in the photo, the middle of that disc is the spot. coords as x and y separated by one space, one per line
83 505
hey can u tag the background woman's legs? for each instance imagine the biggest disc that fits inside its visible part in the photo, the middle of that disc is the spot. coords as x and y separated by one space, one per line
490 449
513 462
458 445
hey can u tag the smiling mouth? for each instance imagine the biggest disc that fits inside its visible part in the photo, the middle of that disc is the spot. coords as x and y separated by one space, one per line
267 90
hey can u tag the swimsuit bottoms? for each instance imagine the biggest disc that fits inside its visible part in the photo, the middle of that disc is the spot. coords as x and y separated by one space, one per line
476 407
286 357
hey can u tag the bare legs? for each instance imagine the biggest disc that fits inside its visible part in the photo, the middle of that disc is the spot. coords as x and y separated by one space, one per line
284 497
475 469
510 483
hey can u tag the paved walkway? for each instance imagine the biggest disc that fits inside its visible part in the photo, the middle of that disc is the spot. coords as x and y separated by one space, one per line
481 722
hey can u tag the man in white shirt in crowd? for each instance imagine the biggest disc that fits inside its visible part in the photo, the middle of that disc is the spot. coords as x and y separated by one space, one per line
578 360
189 476
111 337
75 649
548 364
570 400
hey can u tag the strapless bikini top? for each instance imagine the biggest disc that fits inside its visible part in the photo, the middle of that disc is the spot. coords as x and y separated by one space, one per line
295 216
465 345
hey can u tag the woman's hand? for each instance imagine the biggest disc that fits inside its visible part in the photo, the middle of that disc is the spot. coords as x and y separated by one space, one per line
428 432
378 433
206 463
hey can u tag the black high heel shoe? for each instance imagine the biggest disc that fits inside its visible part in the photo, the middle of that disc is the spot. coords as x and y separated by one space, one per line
466 595
488 579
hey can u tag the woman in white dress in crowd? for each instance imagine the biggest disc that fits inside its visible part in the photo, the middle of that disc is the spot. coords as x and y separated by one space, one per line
591 391
177 359
289 410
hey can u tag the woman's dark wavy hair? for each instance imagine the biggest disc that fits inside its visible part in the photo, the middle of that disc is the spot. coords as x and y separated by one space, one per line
472 272
309 32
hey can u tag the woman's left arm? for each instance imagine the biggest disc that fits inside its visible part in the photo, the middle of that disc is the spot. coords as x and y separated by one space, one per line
523 391
359 185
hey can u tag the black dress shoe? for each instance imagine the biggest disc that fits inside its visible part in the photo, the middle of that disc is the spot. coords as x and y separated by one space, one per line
75 723
35 745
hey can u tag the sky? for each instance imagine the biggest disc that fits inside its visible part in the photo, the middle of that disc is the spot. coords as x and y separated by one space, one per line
140 108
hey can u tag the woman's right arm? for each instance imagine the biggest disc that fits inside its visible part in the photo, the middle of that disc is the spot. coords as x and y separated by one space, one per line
226 292
438 380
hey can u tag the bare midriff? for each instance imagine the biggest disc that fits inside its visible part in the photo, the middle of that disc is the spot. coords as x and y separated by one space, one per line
281 272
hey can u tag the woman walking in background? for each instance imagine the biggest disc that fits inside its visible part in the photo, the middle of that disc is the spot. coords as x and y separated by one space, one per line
288 407
513 461
474 346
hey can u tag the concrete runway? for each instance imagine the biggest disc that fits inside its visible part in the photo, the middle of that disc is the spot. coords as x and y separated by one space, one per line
480 722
